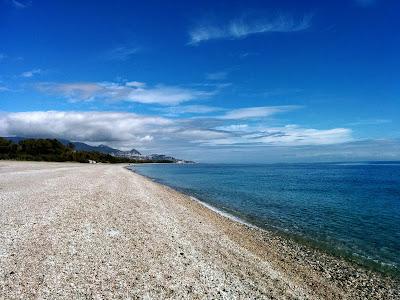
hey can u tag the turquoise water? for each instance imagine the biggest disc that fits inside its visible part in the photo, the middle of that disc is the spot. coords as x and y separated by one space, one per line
350 210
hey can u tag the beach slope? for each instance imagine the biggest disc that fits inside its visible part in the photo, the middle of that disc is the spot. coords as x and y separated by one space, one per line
70 230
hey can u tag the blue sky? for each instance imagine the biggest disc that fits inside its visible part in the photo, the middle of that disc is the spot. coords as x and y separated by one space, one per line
236 81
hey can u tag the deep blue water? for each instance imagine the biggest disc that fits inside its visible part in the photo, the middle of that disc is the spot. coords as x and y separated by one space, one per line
350 210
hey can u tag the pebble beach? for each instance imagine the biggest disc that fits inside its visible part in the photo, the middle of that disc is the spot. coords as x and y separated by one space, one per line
100 231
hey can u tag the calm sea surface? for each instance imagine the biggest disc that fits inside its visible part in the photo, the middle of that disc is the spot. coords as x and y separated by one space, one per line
350 210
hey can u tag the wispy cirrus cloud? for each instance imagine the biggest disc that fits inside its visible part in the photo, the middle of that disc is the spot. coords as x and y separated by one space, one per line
121 53
20 4
189 109
133 91
31 73
241 28
289 135
220 113
222 75
4 88
5 57
256 112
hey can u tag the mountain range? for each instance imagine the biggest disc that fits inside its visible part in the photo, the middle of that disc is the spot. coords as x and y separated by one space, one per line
133 153
79 146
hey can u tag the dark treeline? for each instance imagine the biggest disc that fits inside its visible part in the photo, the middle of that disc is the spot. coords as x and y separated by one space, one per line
53 150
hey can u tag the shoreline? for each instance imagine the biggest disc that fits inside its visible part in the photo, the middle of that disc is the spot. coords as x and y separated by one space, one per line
350 268
205 204
107 231
368 266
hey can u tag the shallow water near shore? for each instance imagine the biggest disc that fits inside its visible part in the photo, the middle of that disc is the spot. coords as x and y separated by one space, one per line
348 209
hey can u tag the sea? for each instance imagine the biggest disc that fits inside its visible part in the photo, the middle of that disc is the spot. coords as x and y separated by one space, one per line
350 210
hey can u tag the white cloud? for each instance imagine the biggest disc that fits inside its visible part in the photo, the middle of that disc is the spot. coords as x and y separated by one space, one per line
234 127
128 130
121 53
199 135
131 91
136 84
295 135
31 73
256 112
189 109
101 127
289 135
242 28
146 138
4 88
